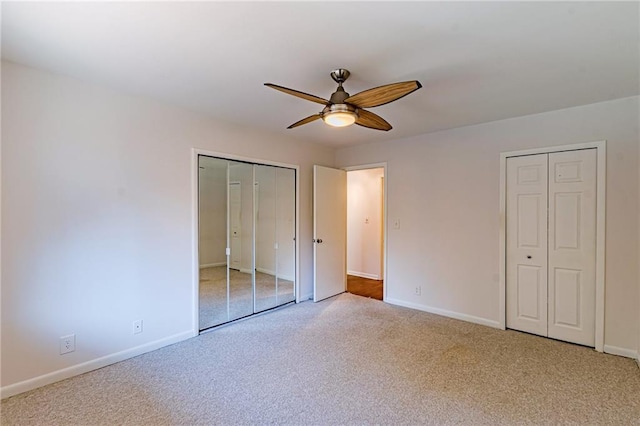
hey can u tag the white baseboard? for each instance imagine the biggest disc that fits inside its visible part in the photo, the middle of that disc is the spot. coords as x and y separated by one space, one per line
614 350
445 313
270 272
364 275
211 265
265 271
247 270
308 296
94 364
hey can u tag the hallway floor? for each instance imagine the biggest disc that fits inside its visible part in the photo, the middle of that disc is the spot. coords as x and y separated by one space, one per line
364 287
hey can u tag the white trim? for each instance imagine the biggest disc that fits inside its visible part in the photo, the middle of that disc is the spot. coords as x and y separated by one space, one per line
254 239
305 297
601 149
195 234
232 157
614 350
364 275
212 265
445 313
297 238
94 364
195 152
385 195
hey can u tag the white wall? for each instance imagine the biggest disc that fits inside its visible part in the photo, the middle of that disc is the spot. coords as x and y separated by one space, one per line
444 189
364 223
242 174
97 220
212 191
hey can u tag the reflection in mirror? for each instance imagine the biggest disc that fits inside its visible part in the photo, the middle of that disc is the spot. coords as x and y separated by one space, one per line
285 232
234 199
275 232
240 240
212 204
265 188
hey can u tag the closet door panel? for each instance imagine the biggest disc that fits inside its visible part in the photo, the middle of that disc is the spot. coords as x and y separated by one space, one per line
285 234
572 246
527 243
265 242
240 240
212 234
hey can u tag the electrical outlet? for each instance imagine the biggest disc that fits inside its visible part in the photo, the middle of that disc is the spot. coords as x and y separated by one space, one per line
418 290
67 344
137 327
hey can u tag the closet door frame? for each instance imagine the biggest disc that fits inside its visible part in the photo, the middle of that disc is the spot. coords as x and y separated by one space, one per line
195 267
601 155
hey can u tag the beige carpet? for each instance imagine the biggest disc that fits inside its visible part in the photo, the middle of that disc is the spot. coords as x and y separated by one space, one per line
213 294
346 360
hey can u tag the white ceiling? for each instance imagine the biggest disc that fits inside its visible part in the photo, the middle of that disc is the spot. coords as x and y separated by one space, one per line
477 61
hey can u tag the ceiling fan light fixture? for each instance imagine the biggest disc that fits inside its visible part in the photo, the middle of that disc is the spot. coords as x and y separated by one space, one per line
339 115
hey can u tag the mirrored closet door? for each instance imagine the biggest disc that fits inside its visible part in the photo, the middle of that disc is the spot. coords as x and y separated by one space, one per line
246 239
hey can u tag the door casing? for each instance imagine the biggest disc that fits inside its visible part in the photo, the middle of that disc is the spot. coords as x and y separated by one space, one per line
384 218
601 165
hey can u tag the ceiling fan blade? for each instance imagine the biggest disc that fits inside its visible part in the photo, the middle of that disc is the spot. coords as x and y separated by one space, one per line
309 119
372 121
299 94
383 94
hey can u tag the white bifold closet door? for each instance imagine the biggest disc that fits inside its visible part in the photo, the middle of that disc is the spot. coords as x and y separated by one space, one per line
551 245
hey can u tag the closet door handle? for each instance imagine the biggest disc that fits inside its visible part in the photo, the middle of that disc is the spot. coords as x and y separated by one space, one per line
528 257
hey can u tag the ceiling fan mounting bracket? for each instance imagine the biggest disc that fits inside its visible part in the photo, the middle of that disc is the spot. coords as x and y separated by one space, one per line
340 75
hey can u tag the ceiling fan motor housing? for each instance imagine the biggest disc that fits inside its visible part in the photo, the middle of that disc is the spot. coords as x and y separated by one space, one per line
338 96
340 108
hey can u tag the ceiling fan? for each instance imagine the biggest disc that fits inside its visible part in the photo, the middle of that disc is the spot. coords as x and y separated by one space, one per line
343 110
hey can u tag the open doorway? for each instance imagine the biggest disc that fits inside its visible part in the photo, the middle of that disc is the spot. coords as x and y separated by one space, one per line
365 232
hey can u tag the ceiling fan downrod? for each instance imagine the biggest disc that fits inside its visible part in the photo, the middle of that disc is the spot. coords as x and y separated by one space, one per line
339 76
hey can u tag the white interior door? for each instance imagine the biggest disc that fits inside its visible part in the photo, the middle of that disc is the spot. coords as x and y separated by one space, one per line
572 246
329 232
551 244
527 243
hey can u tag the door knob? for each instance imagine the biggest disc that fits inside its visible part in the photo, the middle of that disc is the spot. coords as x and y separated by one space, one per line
319 241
